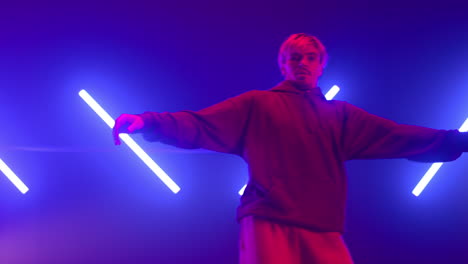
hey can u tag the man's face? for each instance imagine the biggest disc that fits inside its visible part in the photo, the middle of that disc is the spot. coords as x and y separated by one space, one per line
302 65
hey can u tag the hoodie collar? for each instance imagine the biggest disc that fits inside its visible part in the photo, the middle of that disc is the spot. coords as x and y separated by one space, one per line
290 87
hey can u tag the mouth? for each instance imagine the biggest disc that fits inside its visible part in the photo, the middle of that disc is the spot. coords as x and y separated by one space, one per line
303 71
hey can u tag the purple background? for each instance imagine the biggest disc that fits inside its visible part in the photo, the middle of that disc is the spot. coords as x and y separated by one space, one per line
92 202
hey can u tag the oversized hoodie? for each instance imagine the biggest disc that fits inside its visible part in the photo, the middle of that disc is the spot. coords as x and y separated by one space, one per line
295 143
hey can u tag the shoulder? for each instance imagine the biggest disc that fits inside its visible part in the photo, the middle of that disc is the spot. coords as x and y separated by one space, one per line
256 93
345 106
253 95
345 109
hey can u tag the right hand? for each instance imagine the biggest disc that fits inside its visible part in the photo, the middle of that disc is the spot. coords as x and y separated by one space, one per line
127 124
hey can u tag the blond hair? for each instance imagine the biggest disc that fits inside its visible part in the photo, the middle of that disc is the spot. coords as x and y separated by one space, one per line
300 40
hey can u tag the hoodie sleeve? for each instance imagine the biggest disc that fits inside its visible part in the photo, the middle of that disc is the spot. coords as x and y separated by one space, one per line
367 136
219 127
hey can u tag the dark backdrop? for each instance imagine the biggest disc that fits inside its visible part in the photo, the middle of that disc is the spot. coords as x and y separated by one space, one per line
92 202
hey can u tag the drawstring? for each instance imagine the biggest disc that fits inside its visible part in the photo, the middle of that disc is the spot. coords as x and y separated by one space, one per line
310 96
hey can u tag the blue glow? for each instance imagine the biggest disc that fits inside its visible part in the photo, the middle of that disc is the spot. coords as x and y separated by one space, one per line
329 96
13 178
130 142
433 169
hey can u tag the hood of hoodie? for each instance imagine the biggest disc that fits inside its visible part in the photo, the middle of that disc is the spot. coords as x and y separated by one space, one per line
290 87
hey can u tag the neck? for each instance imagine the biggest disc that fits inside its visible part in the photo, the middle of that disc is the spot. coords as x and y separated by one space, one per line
302 85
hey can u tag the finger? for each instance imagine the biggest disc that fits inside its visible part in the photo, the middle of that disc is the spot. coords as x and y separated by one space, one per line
134 126
116 130
116 138
115 135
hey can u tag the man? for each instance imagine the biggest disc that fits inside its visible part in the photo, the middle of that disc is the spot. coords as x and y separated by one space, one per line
295 143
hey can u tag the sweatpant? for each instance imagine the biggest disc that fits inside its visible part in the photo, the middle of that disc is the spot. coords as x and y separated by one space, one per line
265 242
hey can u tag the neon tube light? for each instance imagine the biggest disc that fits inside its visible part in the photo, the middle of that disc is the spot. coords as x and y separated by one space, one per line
434 168
13 178
130 142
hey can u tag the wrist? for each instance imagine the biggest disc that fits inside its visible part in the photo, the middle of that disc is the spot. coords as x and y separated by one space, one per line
149 122
464 141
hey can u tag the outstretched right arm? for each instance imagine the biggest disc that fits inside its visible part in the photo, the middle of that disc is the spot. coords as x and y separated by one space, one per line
219 127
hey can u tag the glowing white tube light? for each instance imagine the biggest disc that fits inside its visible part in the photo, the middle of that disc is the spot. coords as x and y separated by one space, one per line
332 92
434 168
329 96
13 178
130 142
241 192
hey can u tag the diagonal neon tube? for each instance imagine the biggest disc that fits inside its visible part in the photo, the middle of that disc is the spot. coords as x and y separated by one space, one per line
130 142
13 178
434 168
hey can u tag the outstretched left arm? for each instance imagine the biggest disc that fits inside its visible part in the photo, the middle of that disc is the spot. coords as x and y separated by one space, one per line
367 136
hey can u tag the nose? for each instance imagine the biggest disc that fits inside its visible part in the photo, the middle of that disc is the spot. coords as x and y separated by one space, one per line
303 61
